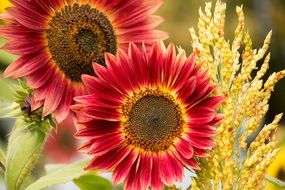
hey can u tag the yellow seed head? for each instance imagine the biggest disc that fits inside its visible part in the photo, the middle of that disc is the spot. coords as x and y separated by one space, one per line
234 163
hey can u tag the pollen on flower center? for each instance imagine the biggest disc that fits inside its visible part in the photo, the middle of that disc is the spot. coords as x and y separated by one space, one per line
77 36
153 119
87 40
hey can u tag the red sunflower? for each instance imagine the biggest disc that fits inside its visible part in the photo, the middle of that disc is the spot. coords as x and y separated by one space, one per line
61 146
148 115
57 41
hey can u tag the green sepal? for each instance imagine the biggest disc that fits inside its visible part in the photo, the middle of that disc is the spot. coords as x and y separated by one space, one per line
13 109
24 148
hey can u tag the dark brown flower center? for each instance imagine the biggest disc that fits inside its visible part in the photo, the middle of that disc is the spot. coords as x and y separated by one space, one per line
87 40
153 120
77 36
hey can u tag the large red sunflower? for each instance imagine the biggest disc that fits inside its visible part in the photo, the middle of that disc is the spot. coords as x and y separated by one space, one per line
57 41
147 116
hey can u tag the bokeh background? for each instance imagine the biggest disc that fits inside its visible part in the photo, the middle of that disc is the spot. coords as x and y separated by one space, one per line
261 16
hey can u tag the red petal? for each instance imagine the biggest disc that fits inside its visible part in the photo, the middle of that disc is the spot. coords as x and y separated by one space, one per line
191 163
217 120
200 115
137 14
183 71
26 19
152 22
127 67
169 66
18 33
170 168
132 180
200 152
26 65
105 143
63 109
123 169
187 89
199 142
101 87
7 17
138 37
156 183
38 79
86 146
187 162
145 170
155 64
139 63
201 132
100 101
110 160
45 5
212 102
98 112
184 148
176 79
54 94
97 127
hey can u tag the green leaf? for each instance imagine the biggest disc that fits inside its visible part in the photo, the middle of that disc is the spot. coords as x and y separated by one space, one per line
24 148
9 110
275 181
6 93
90 182
59 176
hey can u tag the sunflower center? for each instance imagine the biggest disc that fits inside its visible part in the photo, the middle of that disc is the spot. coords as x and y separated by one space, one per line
153 120
77 36
87 40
